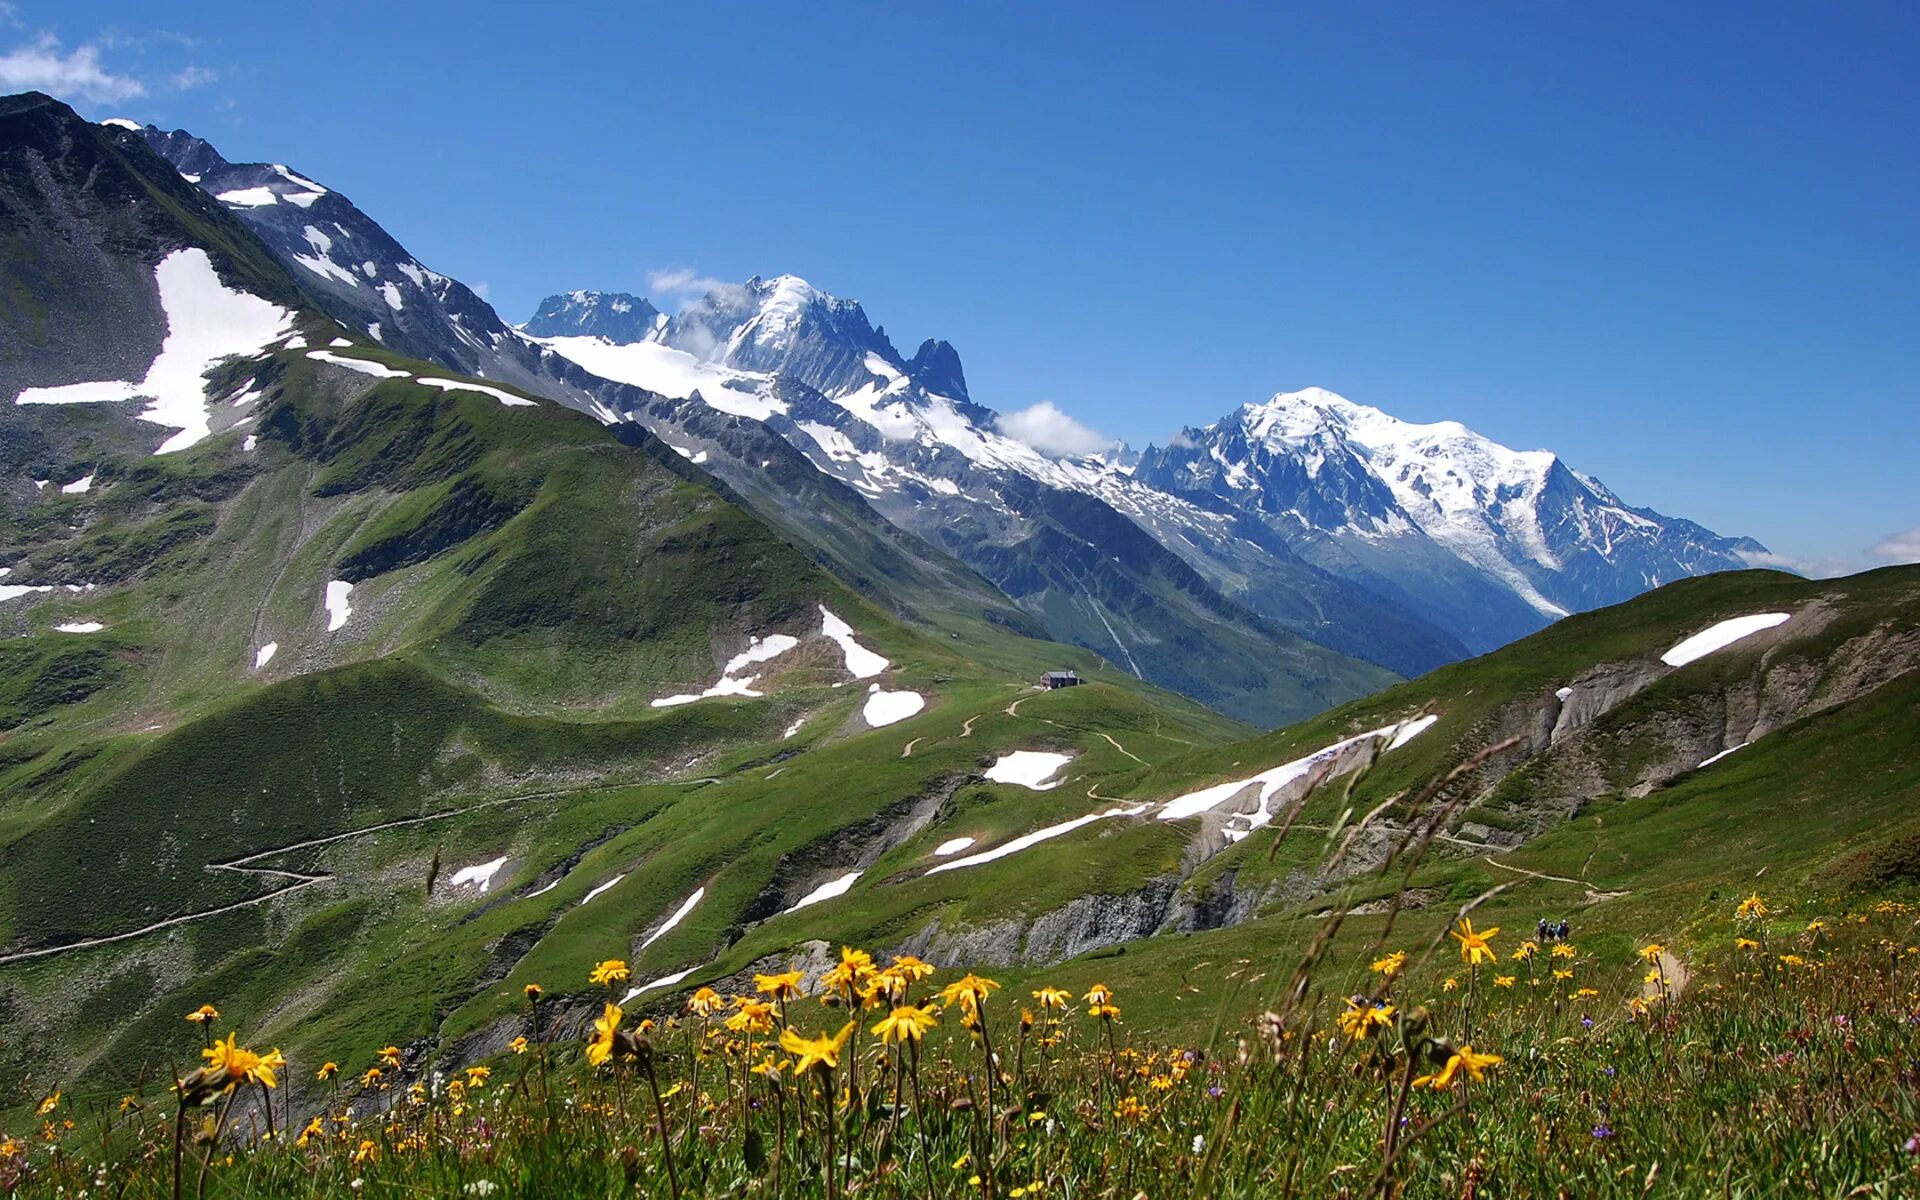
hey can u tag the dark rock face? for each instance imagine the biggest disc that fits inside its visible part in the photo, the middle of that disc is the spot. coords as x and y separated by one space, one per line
79 238
360 275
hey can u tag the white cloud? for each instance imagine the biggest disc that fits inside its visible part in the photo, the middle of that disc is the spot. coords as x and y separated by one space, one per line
684 283
1050 431
481 289
39 66
194 77
1812 568
1901 547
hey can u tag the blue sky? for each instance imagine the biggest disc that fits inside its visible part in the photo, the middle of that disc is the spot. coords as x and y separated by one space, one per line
1682 249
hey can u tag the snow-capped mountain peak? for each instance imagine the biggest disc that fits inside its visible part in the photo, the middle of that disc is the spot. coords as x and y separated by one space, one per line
1351 480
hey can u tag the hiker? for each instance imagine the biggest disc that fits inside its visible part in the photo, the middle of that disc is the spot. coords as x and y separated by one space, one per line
1561 934
1541 935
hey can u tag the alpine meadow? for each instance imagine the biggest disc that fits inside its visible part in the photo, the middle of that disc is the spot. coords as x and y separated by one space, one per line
683 744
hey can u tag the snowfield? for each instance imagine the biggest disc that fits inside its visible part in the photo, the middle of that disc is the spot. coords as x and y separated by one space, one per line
670 372
206 323
731 683
951 847
457 385
663 981
1271 781
601 888
478 876
1719 637
826 891
79 627
679 915
364 366
1029 840
1029 769
1707 762
338 610
862 663
886 708
264 654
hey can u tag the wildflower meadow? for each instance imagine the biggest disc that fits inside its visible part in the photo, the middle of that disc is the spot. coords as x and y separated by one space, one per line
1777 1056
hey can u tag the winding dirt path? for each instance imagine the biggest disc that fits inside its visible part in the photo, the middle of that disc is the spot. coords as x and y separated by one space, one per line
906 751
239 866
1593 896
1122 749
966 727
1675 973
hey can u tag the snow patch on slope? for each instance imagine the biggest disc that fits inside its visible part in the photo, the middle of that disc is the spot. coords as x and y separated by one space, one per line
670 372
338 610
478 876
731 683
887 708
862 663
206 323
461 385
1029 769
826 891
1271 781
1029 840
1720 636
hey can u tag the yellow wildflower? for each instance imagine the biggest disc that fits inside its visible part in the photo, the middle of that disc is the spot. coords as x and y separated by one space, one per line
1474 946
204 1014
751 1016
850 972
609 972
518 1045
1053 997
600 1048
1464 1060
784 986
1390 965
968 992
1361 1018
1752 908
906 1023
823 1051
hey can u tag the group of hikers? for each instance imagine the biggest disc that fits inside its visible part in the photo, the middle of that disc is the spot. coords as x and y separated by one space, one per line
1551 931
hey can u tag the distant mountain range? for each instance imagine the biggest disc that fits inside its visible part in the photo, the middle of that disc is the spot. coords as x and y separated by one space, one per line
1279 560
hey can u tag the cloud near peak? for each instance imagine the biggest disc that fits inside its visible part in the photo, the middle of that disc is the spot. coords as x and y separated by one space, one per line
1903 547
683 283
40 66
1051 431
